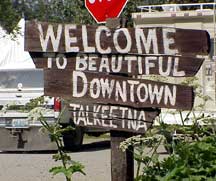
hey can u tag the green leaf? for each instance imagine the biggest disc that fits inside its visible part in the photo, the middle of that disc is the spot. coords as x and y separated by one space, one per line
57 170
77 168
68 172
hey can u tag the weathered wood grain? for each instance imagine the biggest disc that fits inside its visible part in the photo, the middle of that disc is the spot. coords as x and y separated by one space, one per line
164 65
116 90
131 126
102 111
113 117
104 40
122 163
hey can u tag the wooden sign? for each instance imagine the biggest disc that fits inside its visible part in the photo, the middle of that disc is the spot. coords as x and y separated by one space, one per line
62 38
113 117
163 65
89 65
117 90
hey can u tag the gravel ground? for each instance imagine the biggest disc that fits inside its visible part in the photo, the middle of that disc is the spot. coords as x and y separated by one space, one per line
95 155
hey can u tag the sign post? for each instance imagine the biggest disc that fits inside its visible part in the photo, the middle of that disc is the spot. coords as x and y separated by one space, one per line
122 163
93 68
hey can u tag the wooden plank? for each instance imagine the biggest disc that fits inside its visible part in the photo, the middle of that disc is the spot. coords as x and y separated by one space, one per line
116 90
51 37
131 126
122 163
113 117
101 111
165 65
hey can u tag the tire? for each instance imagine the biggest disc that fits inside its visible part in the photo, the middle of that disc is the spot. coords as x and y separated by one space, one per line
73 139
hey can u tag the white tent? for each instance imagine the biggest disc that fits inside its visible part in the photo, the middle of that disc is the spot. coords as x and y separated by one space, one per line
12 54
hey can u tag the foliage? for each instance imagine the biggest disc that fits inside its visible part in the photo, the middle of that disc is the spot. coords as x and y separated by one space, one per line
8 16
191 159
130 8
188 1
33 103
191 146
37 108
54 11
155 2
56 131
67 11
62 11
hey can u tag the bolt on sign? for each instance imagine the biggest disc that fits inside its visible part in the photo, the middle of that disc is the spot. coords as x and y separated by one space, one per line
92 66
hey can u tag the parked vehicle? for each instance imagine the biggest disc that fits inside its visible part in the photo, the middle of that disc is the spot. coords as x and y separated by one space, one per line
17 131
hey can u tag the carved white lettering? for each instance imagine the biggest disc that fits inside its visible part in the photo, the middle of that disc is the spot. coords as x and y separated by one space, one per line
69 39
75 81
44 40
169 40
98 33
128 40
148 42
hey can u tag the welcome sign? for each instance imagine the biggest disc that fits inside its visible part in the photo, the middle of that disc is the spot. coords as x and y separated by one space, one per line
93 67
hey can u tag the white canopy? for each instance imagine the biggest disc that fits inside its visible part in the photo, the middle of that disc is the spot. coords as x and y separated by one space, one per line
12 54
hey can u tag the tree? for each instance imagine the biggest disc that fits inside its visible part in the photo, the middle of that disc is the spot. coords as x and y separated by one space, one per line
62 10
54 11
65 10
8 15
